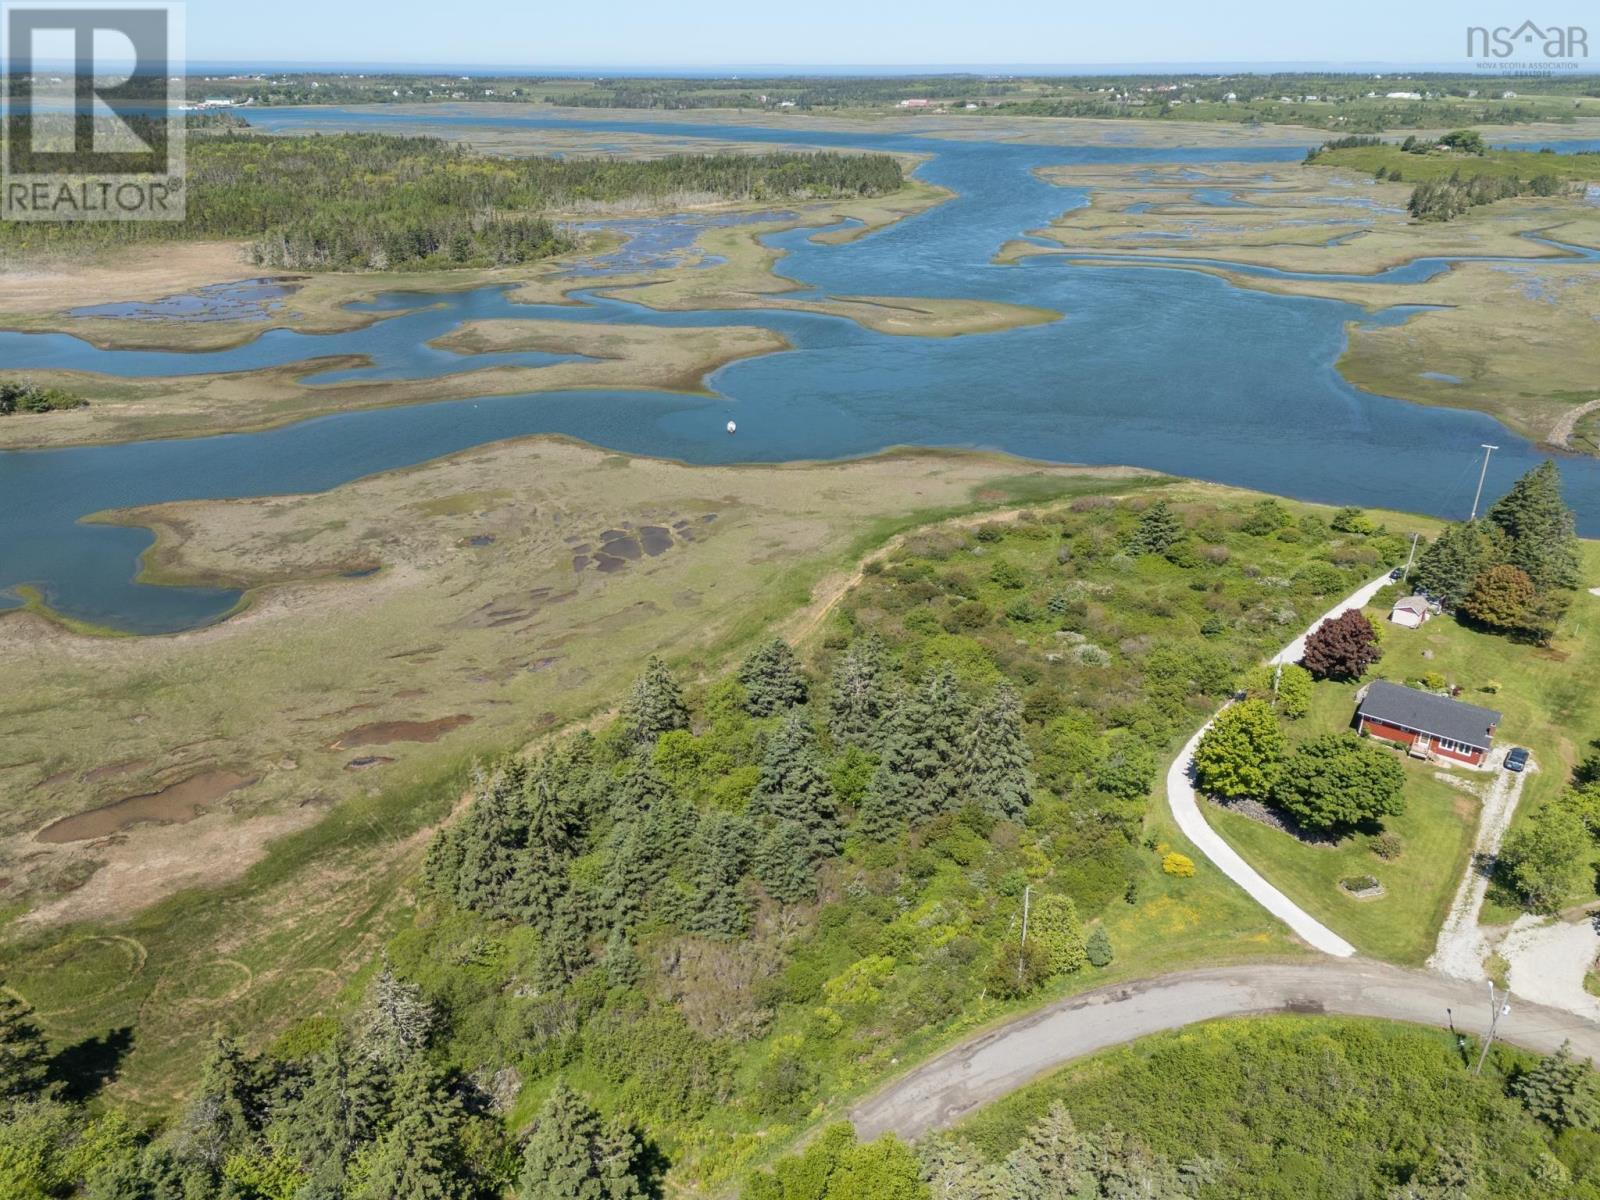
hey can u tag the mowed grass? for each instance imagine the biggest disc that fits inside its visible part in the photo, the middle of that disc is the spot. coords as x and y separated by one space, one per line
1403 924
1550 698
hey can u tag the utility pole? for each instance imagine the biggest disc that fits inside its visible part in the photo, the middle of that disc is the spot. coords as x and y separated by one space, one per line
1487 450
1022 946
1498 1008
1410 558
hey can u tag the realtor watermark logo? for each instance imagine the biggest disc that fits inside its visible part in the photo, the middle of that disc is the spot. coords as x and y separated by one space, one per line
1528 47
94 127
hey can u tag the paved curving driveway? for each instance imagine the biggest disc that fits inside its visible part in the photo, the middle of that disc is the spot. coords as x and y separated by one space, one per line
948 1088
1185 806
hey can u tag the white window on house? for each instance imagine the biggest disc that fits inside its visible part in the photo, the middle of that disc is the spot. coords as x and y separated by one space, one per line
1454 747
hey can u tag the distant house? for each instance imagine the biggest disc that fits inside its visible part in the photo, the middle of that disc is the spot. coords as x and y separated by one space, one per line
918 103
1410 612
1427 723
1403 96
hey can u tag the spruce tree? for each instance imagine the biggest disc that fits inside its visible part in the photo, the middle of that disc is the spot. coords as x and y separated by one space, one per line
1158 530
1449 1173
572 1155
1098 947
24 1056
492 841
721 852
1054 1159
955 1170
772 679
1560 1091
885 808
784 863
639 792
1540 528
396 1022
995 769
339 1111
654 705
225 1112
794 785
621 962
419 1157
563 946
918 774
1447 568
556 831
859 697
636 862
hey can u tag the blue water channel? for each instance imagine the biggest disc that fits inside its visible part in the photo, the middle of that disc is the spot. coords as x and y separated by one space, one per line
1171 369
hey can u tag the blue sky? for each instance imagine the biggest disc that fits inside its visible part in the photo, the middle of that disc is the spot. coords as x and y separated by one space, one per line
897 32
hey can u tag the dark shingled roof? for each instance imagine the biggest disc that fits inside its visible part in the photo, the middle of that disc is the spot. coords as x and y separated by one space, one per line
1427 713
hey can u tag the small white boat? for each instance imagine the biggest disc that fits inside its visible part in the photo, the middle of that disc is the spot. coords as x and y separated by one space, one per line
732 428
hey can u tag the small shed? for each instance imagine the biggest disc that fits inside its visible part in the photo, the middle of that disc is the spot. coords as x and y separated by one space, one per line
1411 611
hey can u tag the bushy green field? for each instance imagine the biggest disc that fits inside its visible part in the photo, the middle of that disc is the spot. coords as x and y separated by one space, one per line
1435 165
1306 1109
726 914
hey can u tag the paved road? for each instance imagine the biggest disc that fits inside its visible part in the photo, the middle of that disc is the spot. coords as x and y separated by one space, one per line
948 1088
1185 806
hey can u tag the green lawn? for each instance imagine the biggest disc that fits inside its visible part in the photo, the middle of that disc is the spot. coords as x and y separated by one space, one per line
1402 925
1550 698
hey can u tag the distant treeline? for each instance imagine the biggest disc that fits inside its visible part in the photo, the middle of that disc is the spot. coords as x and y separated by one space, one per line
1447 199
827 92
1363 102
382 202
1363 112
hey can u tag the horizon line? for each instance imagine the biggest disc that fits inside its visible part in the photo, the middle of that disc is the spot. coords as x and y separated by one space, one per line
1267 66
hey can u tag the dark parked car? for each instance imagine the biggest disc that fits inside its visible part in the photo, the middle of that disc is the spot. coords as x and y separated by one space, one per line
1516 758
1397 574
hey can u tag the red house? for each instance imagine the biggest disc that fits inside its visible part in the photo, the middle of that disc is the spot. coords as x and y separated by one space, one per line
1427 723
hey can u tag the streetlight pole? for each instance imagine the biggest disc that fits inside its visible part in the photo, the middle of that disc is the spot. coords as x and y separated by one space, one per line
1487 450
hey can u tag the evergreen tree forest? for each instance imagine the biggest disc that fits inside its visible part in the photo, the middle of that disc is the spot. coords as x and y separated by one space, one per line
367 201
659 949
